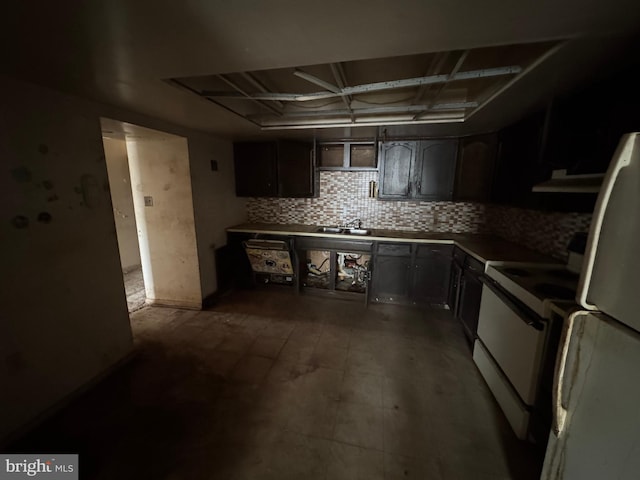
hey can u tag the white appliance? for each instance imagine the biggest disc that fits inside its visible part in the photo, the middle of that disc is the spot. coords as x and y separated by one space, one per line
517 340
596 431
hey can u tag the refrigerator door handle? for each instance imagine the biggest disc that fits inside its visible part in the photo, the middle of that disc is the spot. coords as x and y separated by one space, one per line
559 411
622 158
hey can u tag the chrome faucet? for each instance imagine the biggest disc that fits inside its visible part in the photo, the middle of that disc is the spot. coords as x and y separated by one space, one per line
355 223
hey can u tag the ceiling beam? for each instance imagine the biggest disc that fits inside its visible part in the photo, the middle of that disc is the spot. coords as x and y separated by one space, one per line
370 87
434 67
338 74
552 51
362 122
259 85
374 110
317 81
454 71
249 96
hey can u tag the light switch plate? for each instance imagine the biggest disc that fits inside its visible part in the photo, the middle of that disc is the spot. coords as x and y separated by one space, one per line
148 201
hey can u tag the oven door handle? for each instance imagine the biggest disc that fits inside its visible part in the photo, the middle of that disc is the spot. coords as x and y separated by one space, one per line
526 316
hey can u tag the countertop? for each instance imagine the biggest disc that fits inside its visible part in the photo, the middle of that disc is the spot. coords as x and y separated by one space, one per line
488 249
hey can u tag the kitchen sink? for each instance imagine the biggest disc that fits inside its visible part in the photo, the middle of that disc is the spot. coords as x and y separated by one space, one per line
329 230
344 231
356 231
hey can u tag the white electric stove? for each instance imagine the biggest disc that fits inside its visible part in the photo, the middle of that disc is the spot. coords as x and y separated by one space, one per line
518 333
536 286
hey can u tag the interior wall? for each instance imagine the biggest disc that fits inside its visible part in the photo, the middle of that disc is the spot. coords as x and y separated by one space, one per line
166 228
65 318
215 203
115 151
64 313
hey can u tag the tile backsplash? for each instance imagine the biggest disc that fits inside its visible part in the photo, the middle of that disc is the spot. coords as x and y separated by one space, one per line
546 232
344 197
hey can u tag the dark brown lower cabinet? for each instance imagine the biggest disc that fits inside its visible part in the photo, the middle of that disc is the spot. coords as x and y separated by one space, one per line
431 274
454 285
470 293
335 267
391 279
408 273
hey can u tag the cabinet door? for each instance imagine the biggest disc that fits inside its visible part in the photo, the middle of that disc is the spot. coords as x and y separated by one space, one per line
295 169
240 273
390 279
474 170
434 169
396 159
255 169
432 272
454 287
517 162
469 307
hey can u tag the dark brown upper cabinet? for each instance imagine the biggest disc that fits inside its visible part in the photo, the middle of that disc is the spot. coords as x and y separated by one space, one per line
256 169
435 169
475 168
522 162
518 165
396 175
295 169
274 169
347 156
420 170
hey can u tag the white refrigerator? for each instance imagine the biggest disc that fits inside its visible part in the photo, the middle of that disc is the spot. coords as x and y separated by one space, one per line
596 431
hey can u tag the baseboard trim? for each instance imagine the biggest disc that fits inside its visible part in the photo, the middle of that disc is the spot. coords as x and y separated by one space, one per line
174 303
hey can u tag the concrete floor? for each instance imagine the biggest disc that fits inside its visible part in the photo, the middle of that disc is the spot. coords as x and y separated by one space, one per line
134 289
267 385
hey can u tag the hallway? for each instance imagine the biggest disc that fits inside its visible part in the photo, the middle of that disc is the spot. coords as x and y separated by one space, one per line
134 289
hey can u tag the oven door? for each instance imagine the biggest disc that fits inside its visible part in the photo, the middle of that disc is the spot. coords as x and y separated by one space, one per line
514 337
508 353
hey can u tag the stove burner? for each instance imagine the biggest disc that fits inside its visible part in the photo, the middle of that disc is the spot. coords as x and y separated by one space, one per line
550 290
517 272
564 274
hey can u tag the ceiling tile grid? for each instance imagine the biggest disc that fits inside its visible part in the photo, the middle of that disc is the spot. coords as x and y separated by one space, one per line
437 87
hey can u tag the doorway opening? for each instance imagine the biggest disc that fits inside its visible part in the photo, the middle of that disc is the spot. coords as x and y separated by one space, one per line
150 184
